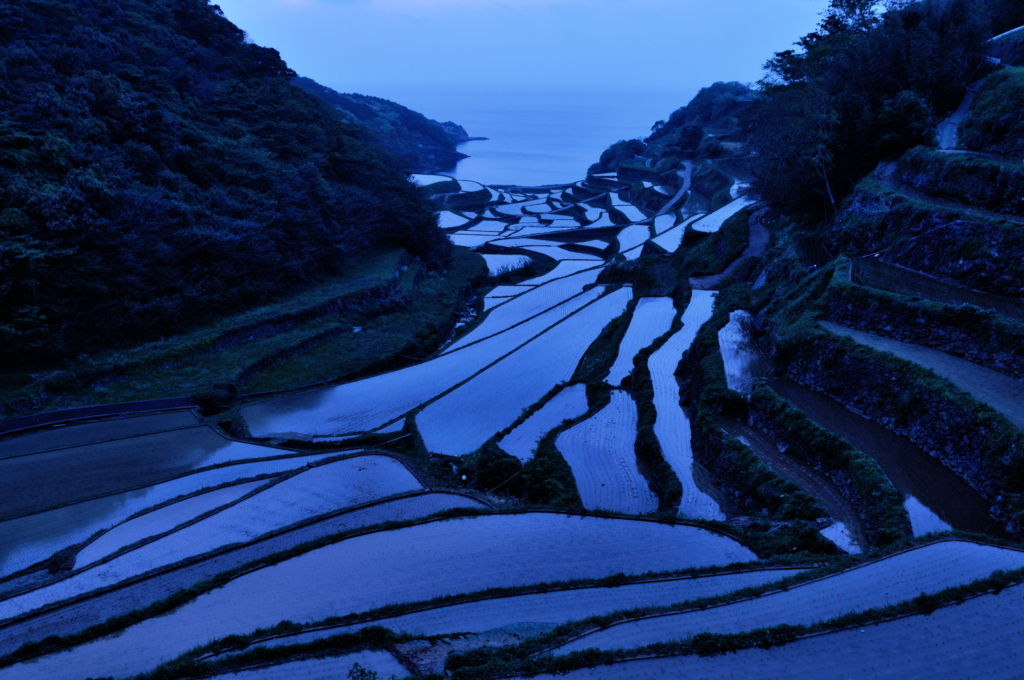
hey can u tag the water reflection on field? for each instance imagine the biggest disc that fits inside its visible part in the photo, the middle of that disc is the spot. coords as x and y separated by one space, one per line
935 498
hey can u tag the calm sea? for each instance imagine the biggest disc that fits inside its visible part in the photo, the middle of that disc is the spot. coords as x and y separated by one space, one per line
541 137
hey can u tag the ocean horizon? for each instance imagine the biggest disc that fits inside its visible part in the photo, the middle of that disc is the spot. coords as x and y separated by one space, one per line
540 137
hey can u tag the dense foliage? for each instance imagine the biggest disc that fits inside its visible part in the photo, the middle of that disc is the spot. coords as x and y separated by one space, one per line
156 169
866 86
717 106
617 154
420 144
996 122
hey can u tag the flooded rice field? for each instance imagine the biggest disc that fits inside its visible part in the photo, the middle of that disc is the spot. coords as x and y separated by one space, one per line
934 496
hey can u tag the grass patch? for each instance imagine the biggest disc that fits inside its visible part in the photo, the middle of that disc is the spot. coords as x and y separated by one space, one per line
857 475
971 180
982 252
709 187
712 253
994 124
387 341
732 464
405 311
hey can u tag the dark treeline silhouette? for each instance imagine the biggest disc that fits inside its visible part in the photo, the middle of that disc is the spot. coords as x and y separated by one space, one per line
867 85
157 170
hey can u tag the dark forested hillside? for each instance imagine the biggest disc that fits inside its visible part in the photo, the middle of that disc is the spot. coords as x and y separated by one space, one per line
157 170
716 106
866 86
420 144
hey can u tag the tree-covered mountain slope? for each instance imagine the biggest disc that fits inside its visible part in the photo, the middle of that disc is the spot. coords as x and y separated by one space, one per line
157 170
420 144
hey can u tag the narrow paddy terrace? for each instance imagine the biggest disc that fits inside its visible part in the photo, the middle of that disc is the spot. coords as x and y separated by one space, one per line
928 569
672 426
555 606
976 638
462 420
34 538
403 565
568 404
651 319
313 492
713 222
601 453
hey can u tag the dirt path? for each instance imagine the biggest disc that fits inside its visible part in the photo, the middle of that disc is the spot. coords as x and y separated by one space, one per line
758 242
947 131
687 176
809 480
1001 392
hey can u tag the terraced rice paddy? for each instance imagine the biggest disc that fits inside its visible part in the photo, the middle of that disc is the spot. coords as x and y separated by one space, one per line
602 221
528 304
933 495
110 467
470 239
631 238
557 253
170 519
601 453
652 318
631 212
162 520
404 565
534 230
66 436
34 538
663 223
367 404
465 418
673 238
509 291
568 404
450 220
562 270
311 493
926 569
555 607
672 426
979 638
713 222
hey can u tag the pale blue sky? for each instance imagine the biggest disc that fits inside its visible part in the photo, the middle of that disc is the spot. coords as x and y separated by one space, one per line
390 47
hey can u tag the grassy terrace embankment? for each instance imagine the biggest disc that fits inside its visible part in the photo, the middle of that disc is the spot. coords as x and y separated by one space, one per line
380 314
982 251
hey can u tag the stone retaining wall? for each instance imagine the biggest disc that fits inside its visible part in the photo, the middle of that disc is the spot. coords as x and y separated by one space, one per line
982 340
979 446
